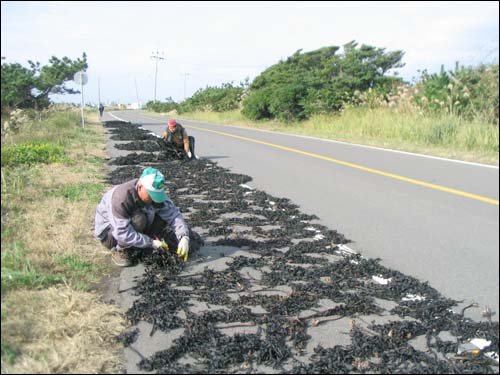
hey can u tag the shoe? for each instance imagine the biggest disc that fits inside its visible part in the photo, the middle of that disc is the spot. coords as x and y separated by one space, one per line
120 258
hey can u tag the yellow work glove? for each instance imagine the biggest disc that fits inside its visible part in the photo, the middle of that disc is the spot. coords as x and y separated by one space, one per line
183 248
158 244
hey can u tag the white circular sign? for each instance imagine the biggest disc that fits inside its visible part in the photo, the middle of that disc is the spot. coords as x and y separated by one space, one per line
80 78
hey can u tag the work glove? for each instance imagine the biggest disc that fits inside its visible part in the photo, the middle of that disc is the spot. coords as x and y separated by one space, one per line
189 154
183 248
158 244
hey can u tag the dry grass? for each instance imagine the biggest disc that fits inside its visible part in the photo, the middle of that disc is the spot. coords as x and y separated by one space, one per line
52 225
52 175
398 128
66 232
61 330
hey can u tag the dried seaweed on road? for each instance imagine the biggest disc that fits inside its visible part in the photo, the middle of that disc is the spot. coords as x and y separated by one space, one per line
284 278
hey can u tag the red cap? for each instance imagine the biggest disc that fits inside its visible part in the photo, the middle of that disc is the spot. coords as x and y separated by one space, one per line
172 123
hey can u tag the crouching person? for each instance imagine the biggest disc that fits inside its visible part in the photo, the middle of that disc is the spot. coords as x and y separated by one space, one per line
133 214
178 136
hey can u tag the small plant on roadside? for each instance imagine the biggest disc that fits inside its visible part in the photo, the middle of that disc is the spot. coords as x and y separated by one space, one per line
31 153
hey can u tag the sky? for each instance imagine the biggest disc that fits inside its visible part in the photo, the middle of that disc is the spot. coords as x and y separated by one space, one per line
210 43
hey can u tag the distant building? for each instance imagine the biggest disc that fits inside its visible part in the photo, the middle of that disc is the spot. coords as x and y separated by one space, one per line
134 106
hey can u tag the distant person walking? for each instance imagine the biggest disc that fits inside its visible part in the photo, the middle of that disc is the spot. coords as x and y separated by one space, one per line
178 136
135 213
101 109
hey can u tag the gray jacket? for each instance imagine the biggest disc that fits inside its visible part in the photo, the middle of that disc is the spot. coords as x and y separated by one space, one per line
115 211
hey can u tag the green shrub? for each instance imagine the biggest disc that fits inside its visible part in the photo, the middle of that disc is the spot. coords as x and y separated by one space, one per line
287 102
320 81
31 153
218 99
157 106
465 91
257 105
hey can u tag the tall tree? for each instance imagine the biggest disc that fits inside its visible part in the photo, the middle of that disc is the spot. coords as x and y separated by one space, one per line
30 87
319 81
17 82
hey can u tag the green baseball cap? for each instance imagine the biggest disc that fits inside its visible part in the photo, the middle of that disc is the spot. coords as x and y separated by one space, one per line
154 182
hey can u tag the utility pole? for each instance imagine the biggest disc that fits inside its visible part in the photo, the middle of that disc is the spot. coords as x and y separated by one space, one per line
81 78
185 75
83 105
98 93
157 56
137 93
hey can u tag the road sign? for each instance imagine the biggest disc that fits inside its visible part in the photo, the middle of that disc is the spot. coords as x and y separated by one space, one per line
80 78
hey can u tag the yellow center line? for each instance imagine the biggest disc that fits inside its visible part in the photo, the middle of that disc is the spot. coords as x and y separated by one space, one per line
360 167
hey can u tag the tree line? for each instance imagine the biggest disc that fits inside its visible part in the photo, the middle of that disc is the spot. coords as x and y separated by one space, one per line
329 79
322 81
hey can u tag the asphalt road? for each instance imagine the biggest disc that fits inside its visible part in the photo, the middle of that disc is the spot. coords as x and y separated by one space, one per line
430 218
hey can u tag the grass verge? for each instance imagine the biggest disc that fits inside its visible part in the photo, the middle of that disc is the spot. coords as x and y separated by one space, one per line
53 319
438 135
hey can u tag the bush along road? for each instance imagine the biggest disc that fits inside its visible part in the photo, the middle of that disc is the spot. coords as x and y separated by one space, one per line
267 289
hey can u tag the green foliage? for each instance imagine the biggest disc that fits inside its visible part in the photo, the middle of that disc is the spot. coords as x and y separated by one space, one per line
288 102
256 107
433 89
30 87
466 91
482 83
31 153
17 82
217 99
157 106
320 81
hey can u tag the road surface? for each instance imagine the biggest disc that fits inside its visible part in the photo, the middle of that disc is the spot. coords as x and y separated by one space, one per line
430 218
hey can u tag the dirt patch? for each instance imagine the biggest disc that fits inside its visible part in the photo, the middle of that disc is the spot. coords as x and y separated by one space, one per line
108 286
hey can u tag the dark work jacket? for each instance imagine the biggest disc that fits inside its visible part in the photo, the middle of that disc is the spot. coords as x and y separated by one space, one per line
176 138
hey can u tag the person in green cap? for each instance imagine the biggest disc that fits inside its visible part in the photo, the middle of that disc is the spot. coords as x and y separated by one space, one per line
131 214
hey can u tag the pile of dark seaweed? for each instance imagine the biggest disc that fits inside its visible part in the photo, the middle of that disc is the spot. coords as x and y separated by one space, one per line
287 249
